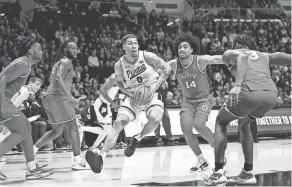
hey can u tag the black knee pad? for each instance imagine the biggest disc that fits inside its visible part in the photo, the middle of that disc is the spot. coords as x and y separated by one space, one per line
224 117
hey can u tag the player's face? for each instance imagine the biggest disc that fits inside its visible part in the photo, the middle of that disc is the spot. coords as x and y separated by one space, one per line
131 47
72 50
184 50
36 86
36 51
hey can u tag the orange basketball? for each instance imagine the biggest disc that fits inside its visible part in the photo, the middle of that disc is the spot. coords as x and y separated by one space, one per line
142 95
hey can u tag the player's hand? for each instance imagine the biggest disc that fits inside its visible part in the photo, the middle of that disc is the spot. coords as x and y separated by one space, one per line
233 96
164 85
8 112
115 106
72 101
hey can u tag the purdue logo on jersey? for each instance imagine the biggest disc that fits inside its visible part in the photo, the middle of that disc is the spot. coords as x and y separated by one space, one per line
137 71
103 110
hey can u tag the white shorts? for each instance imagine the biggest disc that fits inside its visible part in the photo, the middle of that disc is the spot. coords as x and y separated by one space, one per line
103 112
132 110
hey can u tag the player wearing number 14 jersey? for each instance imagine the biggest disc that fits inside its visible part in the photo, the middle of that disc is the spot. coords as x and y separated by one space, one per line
190 71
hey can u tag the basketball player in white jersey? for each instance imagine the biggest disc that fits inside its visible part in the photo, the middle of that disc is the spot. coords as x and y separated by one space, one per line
132 70
102 108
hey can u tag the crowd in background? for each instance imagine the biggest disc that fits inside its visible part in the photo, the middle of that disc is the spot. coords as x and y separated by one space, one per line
97 28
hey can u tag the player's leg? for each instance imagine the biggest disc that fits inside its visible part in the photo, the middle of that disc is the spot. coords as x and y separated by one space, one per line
58 114
98 141
95 157
267 100
203 110
154 113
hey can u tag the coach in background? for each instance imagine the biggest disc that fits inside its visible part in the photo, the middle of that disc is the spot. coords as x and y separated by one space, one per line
162 93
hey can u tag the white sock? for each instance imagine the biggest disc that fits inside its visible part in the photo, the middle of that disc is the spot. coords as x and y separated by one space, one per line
103 154
201 156
138 137
31 165
78 158
35 149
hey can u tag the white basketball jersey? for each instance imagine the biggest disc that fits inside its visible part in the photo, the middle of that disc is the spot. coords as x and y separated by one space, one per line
138 73
112 92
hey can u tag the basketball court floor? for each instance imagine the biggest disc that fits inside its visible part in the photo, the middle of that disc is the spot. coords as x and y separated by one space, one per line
157 166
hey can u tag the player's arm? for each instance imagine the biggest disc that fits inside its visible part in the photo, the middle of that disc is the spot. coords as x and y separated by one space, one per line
205 60
120 78
23 95
173 65
279 58
62 70
157 62
235 57
13 72
109 83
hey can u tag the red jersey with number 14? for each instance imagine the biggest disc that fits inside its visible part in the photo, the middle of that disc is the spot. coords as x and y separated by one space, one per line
193 81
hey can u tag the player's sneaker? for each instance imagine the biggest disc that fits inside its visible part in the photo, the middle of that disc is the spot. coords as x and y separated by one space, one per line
245 177
78 163
38 173
130 149
216 178
200 166
94 160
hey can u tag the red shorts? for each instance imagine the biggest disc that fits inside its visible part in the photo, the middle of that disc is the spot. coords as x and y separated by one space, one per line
252 103
58 109
18 123
201 105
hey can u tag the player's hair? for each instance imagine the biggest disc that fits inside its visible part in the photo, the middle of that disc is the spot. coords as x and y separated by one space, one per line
126 37
24 44
243 41
61 50
35 79
186 37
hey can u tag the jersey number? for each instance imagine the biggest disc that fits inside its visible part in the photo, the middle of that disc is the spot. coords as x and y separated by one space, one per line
193 84
252 55
139 79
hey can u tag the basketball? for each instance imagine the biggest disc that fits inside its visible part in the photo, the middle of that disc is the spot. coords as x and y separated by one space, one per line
142 95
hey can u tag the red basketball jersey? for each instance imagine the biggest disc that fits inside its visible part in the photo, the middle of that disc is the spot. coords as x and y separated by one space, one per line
193 81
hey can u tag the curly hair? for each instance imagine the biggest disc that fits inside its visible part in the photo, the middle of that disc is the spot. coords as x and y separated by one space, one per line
242 41
193 41
24 44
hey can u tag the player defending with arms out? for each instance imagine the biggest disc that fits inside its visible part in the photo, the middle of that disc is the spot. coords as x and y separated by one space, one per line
253 95
132 70
14 126
190 71
59 103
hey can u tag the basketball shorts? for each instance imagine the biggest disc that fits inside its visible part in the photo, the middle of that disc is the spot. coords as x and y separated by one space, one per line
18 123
103 112
203 105
130 109
255 104
58 109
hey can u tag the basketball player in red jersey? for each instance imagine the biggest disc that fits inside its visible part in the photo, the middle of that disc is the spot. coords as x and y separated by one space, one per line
190 71
59 103
253 95
14 126
132 70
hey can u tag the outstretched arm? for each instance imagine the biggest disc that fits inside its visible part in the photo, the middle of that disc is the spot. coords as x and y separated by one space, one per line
109 83
279 58
235 57
205 60
9 74
120 79
157 62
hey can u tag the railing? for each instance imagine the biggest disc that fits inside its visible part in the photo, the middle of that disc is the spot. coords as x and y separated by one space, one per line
243 12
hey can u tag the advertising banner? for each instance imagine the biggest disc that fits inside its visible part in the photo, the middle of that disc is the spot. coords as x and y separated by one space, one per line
277 120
